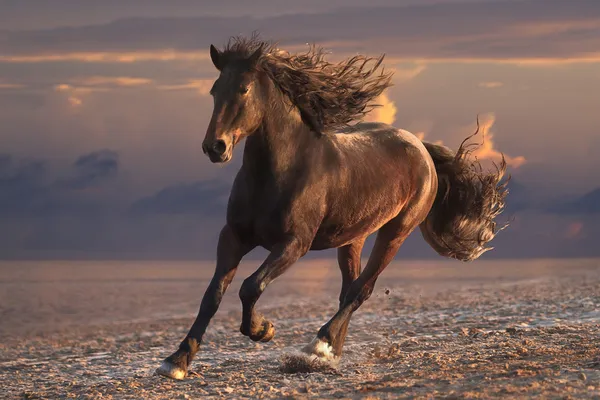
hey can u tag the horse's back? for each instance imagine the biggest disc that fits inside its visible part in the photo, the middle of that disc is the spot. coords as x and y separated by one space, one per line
378 135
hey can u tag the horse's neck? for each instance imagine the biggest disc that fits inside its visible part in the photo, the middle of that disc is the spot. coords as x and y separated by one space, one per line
278 145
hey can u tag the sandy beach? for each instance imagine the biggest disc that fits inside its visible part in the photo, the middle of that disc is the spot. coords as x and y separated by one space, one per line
517 329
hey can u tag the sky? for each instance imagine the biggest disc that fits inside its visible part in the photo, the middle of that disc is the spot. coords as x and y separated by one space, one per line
104 105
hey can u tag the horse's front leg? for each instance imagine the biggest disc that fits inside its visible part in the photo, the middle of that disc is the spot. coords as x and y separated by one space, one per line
282 256
230 251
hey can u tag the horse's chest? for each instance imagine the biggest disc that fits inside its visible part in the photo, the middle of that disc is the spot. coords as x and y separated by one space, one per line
260 218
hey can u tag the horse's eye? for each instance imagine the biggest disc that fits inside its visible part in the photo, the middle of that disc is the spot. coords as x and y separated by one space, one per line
243 89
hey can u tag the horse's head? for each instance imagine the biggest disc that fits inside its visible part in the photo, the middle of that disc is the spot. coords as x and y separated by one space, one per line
239 103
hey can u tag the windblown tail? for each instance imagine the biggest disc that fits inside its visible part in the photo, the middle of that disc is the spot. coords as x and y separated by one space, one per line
461 221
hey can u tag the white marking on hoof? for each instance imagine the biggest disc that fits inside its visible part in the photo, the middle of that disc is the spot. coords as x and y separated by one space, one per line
322 350
171 371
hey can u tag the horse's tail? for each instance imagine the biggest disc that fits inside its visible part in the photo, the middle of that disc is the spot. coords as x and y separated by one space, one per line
461 220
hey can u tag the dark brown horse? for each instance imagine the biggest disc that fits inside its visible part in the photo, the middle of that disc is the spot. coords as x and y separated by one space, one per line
311 181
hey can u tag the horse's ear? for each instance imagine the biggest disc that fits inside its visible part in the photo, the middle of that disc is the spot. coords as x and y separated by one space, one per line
215 56
253 59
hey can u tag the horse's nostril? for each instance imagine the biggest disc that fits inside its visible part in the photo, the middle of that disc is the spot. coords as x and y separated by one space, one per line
219 147
204 148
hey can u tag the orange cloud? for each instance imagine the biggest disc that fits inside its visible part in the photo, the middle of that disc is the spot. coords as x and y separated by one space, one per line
385 113
201 85
202 55
4 85
74 94
490 85
109 57
487 149
74 101
421 136
540 28
112 81
407 74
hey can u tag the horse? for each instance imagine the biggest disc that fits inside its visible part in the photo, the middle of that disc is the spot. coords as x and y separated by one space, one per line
316 176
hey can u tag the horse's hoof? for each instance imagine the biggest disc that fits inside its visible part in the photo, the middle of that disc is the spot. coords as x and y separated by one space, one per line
171 371
322 350
267 333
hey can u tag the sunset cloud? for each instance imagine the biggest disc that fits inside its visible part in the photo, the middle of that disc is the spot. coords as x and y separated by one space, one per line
385 113
487 149
126 57
75 94
403 74
123 81
78 88
533 31
202 86
490 85
7 85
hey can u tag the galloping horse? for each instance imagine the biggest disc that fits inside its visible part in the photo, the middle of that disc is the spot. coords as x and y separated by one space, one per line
310 180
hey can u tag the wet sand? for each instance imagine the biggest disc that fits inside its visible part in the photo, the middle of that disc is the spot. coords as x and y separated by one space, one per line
515 329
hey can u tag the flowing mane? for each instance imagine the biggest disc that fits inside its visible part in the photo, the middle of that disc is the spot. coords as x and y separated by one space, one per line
329 96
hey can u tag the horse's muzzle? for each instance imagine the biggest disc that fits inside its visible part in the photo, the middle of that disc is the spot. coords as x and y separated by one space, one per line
217 151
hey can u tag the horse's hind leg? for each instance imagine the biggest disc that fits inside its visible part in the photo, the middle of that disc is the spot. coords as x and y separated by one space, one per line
282 256
329 341
349 263
230 251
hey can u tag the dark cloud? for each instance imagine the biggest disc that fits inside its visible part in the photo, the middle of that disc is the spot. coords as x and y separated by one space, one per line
515 29
33 14
22 186
91 169
206 198
589 203
26 189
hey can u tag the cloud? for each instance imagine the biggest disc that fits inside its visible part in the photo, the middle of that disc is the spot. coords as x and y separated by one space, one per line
406 74
385 113
521 31
75 95
589 203
22 185
121 81
6 85
27 190
490 85
126 57
91 170
79 88
487 150
204 197
202 86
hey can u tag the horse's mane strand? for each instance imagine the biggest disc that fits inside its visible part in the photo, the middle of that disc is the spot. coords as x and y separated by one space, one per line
329 96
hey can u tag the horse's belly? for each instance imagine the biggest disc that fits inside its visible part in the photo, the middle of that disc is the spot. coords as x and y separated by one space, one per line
333 235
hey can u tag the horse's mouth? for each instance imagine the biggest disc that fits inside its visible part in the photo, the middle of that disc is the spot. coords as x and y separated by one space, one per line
220 159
